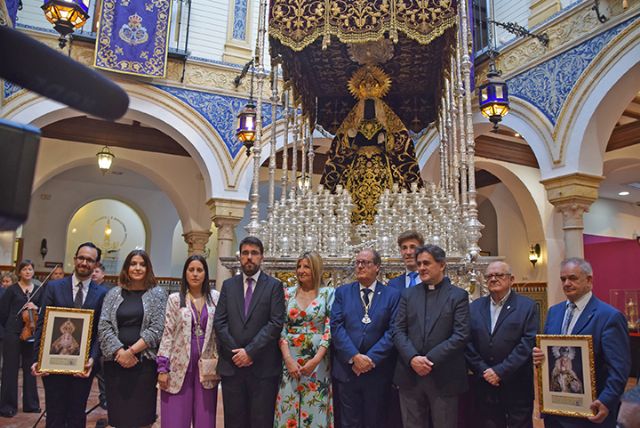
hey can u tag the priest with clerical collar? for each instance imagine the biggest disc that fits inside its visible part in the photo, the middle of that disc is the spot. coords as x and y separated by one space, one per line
431 371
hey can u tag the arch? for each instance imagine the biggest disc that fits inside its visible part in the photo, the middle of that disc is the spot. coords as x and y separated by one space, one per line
595 104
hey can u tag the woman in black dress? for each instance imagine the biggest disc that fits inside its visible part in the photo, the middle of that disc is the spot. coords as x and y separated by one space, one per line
130 330
23 295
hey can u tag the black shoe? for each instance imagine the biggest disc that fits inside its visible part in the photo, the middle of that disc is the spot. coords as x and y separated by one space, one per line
36 410
103 405
7 413
101 423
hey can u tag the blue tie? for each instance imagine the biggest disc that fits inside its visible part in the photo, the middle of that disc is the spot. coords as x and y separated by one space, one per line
413 279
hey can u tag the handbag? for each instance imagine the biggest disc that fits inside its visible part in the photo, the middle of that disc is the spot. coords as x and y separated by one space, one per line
206 366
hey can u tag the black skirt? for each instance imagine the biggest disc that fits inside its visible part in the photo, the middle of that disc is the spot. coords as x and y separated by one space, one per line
131 393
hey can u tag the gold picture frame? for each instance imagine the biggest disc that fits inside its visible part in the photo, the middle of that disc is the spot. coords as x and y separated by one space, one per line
66 340
567 376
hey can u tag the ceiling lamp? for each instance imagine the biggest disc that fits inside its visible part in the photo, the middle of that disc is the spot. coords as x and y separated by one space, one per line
493 96
105 157
66 16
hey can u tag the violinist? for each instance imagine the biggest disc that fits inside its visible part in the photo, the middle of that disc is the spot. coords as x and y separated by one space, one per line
18 307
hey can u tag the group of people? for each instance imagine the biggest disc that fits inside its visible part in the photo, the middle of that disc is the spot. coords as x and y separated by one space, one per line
286 356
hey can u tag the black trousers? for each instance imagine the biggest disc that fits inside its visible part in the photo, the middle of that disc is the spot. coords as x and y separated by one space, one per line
17 354
505 415
66 400
364 401
249 402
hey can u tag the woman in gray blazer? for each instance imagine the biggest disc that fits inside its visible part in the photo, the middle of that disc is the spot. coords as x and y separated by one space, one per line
130 330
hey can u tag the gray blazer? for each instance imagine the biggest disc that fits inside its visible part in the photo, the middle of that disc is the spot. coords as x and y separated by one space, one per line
154 302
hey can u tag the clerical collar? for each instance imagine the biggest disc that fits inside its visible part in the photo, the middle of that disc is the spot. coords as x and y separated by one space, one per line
431 287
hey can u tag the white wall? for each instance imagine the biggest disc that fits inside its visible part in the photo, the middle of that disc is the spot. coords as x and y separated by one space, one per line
608 217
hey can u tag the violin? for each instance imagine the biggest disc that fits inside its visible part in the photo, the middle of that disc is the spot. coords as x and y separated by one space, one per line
30 316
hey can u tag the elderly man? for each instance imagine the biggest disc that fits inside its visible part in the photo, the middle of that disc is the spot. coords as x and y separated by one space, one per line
585 314
430 333
503 331
363 356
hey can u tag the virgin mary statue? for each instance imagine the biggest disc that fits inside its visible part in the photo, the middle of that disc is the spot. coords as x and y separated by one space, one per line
372 148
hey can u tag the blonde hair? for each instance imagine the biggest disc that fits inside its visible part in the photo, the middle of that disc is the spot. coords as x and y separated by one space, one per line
316 267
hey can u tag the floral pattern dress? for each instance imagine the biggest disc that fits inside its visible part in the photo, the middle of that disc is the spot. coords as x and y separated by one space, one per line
307 402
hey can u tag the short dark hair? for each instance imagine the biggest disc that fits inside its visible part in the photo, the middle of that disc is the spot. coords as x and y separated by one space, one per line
184 285
24 263
252 240
149 278
377 260
100 266
410 234
436 252
90 245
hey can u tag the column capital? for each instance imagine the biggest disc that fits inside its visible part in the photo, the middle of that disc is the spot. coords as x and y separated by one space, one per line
197 241
226 211
578 188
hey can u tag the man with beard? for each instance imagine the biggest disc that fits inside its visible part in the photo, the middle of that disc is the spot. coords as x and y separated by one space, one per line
66 396
248 323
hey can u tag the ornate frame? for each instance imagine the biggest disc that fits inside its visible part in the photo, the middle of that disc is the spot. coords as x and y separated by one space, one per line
574 404
51 362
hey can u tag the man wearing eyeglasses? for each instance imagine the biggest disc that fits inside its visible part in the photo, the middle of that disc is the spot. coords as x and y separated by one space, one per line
503 332
66 395
363 353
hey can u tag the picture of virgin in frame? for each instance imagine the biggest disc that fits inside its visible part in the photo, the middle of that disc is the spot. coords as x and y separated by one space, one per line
566 378
66 336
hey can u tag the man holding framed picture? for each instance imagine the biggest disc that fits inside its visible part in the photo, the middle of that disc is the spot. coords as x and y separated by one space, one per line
585 314
66 395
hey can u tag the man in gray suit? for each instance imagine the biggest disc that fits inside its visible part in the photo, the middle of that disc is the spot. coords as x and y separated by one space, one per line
430 332
248 322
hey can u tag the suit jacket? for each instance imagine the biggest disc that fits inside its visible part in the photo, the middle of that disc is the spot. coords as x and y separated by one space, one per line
507 350
350 336
176 340
59 293
257 333
608 328
399 282
442 339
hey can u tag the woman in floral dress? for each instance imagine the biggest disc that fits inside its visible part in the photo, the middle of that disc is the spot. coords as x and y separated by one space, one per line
305 397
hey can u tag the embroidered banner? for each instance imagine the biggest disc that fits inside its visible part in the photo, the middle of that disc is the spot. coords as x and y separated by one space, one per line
133 37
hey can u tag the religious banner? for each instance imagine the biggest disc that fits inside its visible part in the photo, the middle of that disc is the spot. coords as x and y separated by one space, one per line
133 37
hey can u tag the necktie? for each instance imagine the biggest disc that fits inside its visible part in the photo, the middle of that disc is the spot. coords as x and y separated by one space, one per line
77 302
365 296
568 316
248 295
413 279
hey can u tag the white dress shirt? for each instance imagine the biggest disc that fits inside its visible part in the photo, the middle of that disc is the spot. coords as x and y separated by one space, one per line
85 287
496 308
255 277
581 303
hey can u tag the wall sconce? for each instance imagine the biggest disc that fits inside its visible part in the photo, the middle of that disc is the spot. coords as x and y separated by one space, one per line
43 248
534 254
246 130
105 157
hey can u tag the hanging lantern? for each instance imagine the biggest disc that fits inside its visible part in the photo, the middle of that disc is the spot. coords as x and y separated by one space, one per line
66 16
493 96
105 157
246 131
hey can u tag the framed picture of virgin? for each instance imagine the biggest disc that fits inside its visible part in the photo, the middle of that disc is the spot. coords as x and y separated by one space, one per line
566 378
66 335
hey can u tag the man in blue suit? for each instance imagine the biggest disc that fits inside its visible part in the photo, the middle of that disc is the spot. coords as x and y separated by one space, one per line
65 395
430 332
363 356
503 332
408 241
585 314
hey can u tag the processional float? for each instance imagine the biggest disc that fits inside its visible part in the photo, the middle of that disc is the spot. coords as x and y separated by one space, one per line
373 75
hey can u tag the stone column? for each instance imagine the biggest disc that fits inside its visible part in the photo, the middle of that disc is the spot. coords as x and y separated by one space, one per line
572 195
541 10
225 214
197 241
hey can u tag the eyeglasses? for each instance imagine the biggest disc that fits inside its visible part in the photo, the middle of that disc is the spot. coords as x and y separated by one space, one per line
497 276
364 263
84 259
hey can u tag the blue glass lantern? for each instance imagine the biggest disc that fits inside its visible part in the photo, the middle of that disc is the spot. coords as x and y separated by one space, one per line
246 131
66 16
493 96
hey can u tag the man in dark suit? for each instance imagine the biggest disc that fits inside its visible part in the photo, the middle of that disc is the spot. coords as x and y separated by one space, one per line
408 241
430 333
363 354
65 395
585 314
503 332
248 323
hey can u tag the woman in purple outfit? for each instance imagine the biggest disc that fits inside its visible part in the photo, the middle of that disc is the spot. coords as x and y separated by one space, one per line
188 335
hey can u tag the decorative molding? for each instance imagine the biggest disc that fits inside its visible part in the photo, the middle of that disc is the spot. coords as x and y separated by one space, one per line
197 241
220 111
541 10
237 48
239 28
572 189
226 211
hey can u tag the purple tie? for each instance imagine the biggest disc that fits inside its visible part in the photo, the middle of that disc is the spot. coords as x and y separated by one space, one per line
248 295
